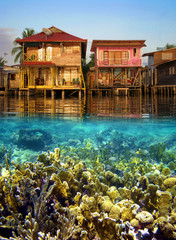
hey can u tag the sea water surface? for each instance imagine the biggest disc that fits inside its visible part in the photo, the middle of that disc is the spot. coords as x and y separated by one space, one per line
105 127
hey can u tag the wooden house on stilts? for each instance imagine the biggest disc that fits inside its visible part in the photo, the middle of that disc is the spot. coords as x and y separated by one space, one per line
161 72
52 61
117 67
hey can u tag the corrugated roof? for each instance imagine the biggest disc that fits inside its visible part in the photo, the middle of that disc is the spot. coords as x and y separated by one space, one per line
98 43
54 35
152 53
167 61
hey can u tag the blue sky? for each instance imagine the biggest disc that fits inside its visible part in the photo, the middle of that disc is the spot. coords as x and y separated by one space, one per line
152 20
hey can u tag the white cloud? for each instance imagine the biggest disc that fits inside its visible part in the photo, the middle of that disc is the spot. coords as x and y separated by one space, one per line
7 36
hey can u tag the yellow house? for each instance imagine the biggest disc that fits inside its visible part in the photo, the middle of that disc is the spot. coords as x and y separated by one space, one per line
52 61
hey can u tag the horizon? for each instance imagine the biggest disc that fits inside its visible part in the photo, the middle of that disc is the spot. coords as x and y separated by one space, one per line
153 21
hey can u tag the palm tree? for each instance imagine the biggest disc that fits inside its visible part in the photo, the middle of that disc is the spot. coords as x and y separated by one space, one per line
168 46
18 50
2 62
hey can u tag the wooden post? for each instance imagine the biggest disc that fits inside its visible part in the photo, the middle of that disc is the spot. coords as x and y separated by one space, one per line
156 78
112 77
140 78
96 77
63 94
152 76
52 94
79 94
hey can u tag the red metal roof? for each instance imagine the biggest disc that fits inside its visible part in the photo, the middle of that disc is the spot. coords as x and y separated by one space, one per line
56 35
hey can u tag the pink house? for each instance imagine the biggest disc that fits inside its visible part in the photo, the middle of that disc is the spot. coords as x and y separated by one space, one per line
117 63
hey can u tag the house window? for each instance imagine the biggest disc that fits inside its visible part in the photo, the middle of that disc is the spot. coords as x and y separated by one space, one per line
106 58
125 55
41 54
134 52
171 70
13 76
48 53
167 56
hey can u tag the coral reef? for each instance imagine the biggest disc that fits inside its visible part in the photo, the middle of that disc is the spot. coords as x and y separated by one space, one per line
105 187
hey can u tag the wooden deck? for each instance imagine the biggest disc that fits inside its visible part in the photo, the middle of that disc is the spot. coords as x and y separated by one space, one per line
115 90
53 90
164 90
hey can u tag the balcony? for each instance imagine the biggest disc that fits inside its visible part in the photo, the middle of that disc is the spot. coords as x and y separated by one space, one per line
119 62
36 58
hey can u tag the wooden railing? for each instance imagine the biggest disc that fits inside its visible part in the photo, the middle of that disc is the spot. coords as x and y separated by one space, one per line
35 58
31 57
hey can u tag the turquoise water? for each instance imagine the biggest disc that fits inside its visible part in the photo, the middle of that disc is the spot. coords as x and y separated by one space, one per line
24 137
126 143
52 123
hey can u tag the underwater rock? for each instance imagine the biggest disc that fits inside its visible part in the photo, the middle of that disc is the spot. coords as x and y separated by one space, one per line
35 139
3 151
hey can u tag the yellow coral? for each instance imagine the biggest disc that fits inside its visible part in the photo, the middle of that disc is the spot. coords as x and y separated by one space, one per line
166 171
59 187
57 153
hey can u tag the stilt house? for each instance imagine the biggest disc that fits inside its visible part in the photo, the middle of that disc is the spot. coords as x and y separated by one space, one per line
117 63
52 60
161 71
162 64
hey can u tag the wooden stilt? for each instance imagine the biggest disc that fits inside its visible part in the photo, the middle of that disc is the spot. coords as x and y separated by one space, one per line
63 94
80 94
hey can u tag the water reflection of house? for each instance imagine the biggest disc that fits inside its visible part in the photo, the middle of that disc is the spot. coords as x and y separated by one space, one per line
52 61
162 71
117 64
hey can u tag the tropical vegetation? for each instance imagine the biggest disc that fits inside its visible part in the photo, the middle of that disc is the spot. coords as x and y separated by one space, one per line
167 46
17 50
2 62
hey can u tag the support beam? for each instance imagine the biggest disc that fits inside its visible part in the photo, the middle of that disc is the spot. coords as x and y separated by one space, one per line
79 94
52 94
63 94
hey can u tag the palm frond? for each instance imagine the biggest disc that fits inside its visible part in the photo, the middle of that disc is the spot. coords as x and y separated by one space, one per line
16 50
18 57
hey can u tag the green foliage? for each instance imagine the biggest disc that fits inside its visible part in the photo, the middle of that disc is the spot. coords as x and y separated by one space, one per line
87 66
18 50
2 62
167 46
